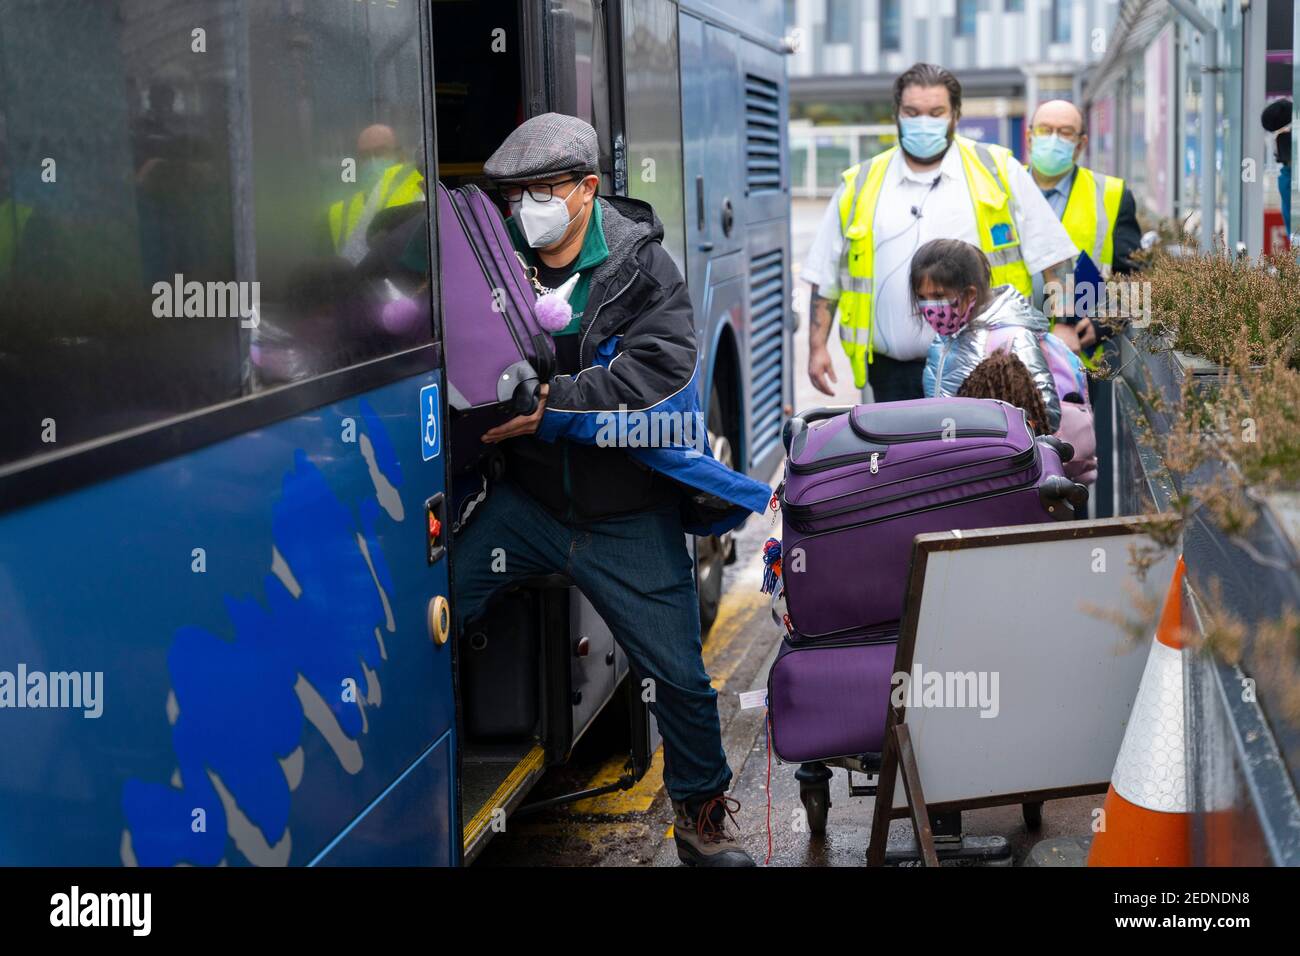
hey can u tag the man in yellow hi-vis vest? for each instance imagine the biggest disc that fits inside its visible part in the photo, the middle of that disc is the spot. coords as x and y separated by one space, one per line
383 181
934 185
1100 214
1098 211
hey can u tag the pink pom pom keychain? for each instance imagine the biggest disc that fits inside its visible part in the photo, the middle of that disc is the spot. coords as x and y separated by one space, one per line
553 309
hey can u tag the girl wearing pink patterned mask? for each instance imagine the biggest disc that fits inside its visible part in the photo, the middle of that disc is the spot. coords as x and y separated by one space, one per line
950 284
952 293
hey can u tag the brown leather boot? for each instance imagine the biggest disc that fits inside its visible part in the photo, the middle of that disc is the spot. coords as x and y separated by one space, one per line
705 835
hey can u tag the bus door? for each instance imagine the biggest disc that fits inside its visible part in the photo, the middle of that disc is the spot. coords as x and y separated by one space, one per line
223 578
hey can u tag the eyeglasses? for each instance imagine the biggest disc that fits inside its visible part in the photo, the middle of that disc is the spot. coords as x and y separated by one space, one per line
541 192
1068 133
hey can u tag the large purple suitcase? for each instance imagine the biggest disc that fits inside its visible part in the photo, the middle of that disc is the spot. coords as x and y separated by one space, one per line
862 483
497 354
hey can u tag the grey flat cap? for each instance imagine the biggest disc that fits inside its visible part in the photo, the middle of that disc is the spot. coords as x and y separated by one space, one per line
544 146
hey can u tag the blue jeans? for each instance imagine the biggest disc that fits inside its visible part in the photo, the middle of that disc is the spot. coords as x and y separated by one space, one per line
637 573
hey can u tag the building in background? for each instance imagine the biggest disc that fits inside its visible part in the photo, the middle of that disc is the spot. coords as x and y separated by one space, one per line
1008 54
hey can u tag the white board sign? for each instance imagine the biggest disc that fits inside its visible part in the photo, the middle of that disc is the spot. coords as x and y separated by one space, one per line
1017 683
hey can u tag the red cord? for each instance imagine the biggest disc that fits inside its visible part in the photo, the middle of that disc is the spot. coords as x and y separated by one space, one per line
767 723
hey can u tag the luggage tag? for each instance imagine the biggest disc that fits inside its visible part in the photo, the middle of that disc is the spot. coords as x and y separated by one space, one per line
753 699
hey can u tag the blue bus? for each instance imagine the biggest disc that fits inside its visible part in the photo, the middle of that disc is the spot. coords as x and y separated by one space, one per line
225 500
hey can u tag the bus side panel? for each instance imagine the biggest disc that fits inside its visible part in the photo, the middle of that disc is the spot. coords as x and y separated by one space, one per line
765 215
409 826
725 77
251 621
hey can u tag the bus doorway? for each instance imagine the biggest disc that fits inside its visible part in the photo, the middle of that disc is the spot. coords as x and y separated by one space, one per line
538 666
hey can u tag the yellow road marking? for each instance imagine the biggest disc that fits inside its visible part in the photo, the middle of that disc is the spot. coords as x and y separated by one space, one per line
734 615
619 802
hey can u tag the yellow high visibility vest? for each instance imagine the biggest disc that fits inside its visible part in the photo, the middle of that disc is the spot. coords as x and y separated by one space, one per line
399 185
1090 215
986 176
1089 219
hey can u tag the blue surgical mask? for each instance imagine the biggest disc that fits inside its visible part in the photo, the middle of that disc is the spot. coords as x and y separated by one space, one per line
1051 155
925 137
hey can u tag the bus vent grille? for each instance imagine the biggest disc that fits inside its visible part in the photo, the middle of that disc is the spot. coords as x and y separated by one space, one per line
762 135
767 300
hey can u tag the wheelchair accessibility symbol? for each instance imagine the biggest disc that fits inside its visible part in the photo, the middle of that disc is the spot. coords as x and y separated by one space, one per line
429 421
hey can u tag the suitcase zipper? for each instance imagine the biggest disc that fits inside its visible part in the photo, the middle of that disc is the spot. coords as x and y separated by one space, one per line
812 468
803 512
836 462
1025 456
847 637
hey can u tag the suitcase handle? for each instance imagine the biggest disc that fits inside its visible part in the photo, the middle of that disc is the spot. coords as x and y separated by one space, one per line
1064 450
1058 488
544 349
518 388
795 425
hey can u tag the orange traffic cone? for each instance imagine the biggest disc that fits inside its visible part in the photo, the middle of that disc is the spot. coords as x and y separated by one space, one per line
1146 819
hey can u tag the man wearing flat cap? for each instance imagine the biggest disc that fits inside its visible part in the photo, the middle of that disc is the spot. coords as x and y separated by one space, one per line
592 489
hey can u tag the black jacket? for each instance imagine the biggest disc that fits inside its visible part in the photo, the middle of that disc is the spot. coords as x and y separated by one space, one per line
1128 235
638 311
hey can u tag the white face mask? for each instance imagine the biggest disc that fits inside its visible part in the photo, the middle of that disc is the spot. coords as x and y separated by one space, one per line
543 223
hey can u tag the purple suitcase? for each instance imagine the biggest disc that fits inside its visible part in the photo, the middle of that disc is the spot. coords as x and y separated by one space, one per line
828 701
862 483
497 354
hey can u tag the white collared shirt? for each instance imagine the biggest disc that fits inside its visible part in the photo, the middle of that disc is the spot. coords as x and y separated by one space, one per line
946 211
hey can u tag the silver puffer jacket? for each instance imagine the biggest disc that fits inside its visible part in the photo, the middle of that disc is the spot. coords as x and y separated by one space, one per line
952 357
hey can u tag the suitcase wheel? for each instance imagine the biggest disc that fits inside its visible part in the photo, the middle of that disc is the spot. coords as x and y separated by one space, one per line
816 800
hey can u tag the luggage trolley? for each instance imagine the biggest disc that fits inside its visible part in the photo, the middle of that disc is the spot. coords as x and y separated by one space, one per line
831 688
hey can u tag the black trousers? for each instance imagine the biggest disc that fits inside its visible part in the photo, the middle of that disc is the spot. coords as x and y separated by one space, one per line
895 381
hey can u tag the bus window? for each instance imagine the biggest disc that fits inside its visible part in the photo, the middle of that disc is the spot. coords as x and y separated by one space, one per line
199 203
653 116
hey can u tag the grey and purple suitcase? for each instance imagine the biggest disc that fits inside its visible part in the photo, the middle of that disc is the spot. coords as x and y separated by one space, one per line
860 484
497 354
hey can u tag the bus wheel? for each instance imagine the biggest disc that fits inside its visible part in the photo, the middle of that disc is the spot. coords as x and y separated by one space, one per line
712 553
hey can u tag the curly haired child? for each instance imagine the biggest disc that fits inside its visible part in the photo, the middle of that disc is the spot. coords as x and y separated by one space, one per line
1004 376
